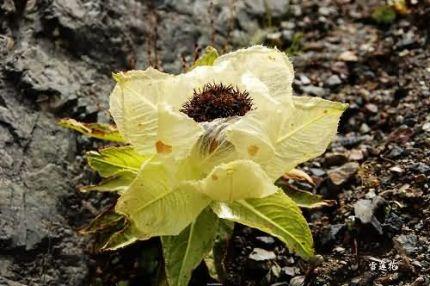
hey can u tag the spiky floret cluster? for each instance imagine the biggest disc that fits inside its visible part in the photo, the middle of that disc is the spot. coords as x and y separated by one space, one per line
217 101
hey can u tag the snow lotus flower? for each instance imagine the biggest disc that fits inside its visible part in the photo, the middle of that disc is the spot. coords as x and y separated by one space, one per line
209 144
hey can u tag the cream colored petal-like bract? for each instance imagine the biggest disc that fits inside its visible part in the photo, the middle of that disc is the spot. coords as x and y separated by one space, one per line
157 204
289 135
140 107
237 180
145 104
269 66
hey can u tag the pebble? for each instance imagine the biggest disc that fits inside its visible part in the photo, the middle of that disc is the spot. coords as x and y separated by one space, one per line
314 90
304 79
426 127
339 249
259 254
348 56
287 35
289 271
395 152
330 233
333 80
364 128
364 210
356 155
373 108
317 172
396 169
421 167
335 159
297 281
406 243
370 194
342 174
266 239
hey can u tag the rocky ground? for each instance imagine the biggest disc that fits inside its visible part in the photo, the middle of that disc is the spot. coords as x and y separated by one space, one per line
56 57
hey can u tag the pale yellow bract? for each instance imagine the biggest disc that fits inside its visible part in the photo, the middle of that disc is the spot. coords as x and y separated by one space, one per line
227 159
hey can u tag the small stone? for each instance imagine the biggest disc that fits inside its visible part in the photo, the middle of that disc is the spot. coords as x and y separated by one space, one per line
304 79
266 239
406 243
395 152
314 90
364 128
330 233
287 25
356 155
317 172
297 281
372 108
333 80
342 174
259 254
426 127
355 280
339 249
289 271
276 270
288 35
421 167
348 56
274 38
364 210
335 159
396 169
370 194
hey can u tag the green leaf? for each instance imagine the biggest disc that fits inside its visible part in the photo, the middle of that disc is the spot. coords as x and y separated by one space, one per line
120 239
384 14
113 160
107 219
183 253
207 58
277 215
96 130
210 262
116 183
304 199
215 259
158 205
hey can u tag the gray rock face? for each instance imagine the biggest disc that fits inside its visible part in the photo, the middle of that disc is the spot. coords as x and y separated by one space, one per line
56 59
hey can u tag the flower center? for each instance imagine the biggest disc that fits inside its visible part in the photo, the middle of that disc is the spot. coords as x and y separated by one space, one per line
217 101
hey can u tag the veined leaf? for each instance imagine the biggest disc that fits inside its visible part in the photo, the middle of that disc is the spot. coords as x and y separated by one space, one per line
106 219
305 199
157 205
120 239
96 130
113 160
215 258
183 253
115 183
277 215
207 58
